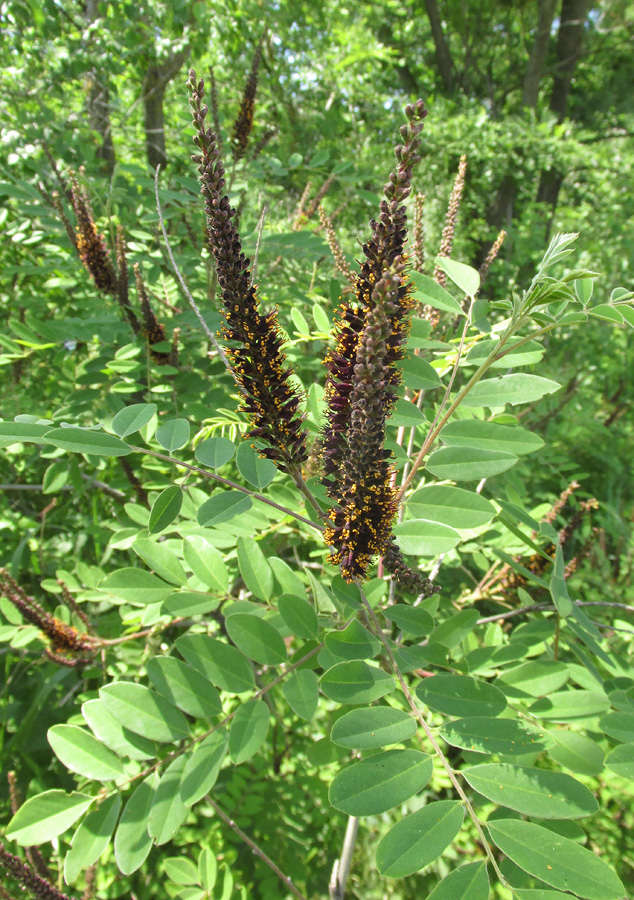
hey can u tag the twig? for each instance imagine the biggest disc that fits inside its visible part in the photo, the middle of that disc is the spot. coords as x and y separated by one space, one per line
231 484
260 228
255 849
341 868
550 607
210 335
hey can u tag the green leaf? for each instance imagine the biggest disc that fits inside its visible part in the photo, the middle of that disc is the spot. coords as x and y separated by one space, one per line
112 733
541 895
556 860
533 792
432 294
356 682
207 869
413 620
206 563
451 506
536 678
22 433
576 752
619 725
215 452
418 537
164 562
184 686
570 706
558 588
221 663
455 629
168 812
406 414
529 353
190 603
181 870
202 767
299 616
469 463
91 838
513 389
365 729
353 642
165 509
507 737
469 882
419 839
132 843
348 594
248 731
133 418
256 638
173 434
372 786
223 506
464 277
254 568
46 816
136 586
418 375
144 712
287 578
255 469
80 752
95 443
461 695
301 692
621 760
55 477
490 436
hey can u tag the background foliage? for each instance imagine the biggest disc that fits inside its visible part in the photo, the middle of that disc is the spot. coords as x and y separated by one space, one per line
160 558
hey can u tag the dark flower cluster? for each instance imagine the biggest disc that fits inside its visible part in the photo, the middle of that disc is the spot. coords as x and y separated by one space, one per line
65 639
255 339
370 335
91 245
244 120
361 522
27 878
153 329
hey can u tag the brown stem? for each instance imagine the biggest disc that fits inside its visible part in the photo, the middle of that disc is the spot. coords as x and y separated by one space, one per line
256 849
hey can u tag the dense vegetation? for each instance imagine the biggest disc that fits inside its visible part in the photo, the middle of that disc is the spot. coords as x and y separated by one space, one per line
316 513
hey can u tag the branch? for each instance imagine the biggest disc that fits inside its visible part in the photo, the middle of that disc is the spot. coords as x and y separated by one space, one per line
256 849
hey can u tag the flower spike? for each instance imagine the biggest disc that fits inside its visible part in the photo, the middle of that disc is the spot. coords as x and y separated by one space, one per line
255 352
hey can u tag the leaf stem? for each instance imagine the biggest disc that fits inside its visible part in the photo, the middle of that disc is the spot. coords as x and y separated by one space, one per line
234 485
431 738
255 848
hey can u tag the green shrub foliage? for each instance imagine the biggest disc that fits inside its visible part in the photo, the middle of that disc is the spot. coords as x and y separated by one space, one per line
267 602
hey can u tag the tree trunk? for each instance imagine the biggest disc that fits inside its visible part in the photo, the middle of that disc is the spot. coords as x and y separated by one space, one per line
157 77
501 209
153 117
571 26
98 102
443 56
537 60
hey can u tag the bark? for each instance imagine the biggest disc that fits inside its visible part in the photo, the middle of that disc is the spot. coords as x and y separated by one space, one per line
98 103
443 56
157 77
569 47
539 51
